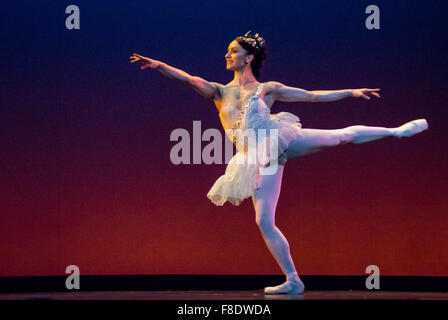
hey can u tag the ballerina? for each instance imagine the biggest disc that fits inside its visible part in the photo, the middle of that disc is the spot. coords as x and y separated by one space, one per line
244 103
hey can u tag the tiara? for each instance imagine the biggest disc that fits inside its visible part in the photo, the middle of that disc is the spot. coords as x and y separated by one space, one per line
255 42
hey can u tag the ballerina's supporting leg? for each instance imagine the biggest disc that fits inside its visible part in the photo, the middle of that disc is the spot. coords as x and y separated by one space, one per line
313 140
265 200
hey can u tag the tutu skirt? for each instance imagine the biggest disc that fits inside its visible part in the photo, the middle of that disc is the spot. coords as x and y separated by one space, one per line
242 174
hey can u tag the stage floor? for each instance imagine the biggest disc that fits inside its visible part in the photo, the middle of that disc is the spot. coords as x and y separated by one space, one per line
225 295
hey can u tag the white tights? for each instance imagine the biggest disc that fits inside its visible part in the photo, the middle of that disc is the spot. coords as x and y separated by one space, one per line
265 198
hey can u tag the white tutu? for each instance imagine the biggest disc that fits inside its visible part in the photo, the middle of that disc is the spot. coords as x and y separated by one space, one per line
242 173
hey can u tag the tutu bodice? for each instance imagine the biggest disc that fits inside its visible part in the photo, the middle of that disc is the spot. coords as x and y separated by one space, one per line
242 173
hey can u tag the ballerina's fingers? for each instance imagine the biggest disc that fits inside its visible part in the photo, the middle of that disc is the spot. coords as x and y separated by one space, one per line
372 92
365 92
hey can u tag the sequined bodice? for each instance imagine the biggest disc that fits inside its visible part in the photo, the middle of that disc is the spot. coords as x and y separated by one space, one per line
237 115
253 114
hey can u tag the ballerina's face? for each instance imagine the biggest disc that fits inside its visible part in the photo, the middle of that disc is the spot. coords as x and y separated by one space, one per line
237 57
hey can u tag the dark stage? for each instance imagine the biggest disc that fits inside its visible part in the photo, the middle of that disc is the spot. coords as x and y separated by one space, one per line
225 295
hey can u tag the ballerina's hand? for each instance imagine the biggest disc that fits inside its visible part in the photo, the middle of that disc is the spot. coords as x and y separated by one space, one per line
146 62
364 93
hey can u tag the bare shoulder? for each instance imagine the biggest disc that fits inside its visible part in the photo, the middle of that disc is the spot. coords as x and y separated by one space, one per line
270 86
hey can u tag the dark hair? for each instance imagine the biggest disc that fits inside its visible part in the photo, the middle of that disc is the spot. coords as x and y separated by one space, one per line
255 45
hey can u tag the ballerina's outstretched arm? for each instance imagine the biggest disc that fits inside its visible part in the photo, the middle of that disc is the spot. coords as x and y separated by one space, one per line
207 89
285 93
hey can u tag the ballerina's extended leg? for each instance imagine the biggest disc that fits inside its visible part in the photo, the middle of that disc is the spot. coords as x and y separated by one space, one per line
309 141
411 128
366 134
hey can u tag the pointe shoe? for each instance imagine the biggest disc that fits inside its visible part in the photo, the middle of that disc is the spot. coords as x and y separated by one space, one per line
411 128
294 286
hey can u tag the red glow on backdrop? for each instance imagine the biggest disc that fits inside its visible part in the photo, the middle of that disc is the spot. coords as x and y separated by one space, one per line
86 174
